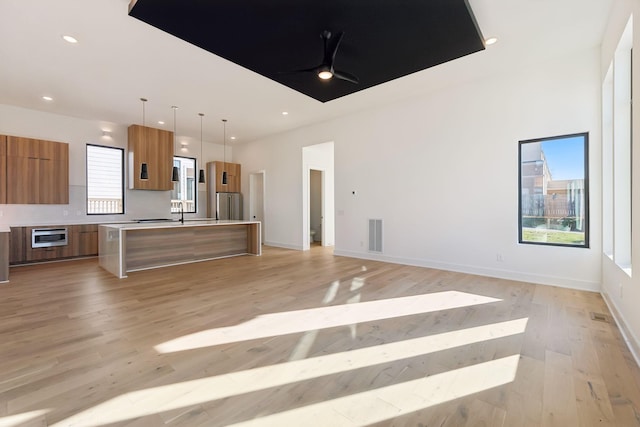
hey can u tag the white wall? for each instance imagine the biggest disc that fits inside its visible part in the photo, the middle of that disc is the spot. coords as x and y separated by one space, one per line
77 133
621 290
441 171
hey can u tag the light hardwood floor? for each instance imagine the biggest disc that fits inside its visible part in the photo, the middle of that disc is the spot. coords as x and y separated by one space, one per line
305 339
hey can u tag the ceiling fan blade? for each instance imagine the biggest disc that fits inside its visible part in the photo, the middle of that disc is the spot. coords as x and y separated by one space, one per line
341 75
304 70
330 52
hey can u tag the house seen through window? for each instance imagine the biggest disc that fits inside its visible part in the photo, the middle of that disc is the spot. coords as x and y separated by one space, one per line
105 180
554 191
184 190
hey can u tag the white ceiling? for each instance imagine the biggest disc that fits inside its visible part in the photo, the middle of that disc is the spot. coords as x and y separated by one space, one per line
119 59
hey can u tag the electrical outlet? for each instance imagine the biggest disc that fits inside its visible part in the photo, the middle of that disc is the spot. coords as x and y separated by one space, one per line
65 212
1 213
620 289
499 257
361 243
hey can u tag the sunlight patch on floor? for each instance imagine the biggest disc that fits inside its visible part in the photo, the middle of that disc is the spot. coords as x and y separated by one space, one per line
430 390
384 403
26 418
290 322
331 292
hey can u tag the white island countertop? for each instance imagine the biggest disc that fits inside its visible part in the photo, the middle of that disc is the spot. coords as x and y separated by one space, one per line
177 223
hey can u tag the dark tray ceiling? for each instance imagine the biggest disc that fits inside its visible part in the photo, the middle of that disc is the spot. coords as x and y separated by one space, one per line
383 39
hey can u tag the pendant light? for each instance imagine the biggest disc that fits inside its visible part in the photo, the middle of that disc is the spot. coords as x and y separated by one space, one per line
175 174
224 141
144 170
201 174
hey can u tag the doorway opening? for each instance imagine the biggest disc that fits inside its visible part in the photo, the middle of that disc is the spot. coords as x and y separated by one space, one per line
316 177
257 200
318 222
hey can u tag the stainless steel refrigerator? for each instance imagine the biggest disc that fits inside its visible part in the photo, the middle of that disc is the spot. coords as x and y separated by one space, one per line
228 206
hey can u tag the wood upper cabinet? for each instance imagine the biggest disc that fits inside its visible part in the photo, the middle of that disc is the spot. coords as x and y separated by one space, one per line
154 147
37 171
233 184
3 169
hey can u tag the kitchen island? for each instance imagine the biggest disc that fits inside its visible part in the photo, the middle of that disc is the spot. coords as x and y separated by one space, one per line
4 251
123 248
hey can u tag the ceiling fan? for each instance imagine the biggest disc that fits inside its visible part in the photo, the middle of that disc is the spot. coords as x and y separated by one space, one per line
325 70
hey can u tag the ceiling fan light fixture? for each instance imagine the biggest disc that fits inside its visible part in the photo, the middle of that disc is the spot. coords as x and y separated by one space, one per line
325 74
491 40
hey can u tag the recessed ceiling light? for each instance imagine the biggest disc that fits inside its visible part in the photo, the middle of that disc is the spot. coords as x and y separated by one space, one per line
233 137
284 113
47 98
160 122
490 41
70 39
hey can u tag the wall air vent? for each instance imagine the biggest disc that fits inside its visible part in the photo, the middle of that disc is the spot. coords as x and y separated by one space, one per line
375 235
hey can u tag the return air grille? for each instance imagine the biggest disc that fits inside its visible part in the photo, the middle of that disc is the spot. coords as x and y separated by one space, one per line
375 235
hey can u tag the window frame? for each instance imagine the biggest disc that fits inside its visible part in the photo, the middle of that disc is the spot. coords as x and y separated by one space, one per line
585 136
195 184
122 177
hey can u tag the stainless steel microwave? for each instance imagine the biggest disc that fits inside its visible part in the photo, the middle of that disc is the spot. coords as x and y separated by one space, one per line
46 237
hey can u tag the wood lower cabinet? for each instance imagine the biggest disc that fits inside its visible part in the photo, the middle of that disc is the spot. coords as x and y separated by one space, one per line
3 169
84 240
37 171
153 147
47 253
17 242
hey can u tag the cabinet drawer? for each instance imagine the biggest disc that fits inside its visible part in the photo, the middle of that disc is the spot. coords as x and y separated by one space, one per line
42 254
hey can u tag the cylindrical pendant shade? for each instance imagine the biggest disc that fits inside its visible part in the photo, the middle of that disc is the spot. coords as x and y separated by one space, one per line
175 176
144 171
201 176
224 177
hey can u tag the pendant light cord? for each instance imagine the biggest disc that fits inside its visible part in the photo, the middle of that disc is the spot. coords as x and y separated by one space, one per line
201 178
144 100
224 140
175 172
201 116
175 136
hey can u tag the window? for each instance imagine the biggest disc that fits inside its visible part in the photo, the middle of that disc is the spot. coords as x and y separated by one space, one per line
184 191
105 180
554 191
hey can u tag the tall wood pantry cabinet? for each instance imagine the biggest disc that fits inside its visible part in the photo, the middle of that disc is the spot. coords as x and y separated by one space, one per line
37 171
154 147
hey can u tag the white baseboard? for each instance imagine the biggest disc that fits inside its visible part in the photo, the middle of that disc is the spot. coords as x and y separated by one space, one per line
480 271
632 341
284 245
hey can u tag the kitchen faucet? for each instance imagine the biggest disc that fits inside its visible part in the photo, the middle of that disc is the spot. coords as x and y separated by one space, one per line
181 212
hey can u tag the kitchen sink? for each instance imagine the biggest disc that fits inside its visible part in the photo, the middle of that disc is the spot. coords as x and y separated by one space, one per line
154 220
